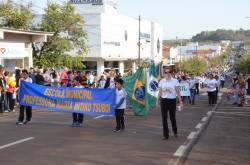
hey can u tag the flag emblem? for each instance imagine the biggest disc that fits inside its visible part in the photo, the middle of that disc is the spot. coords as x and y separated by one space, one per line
139 92
153 86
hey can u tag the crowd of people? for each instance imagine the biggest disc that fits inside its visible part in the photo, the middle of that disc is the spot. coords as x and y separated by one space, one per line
10 83
212 83
182 89
173 88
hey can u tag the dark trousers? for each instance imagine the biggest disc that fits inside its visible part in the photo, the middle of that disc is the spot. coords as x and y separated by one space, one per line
222 83
197 88
10 101
216 94
168 106
119 114
28 113
211 97
192 96
3 103
77 118
186 99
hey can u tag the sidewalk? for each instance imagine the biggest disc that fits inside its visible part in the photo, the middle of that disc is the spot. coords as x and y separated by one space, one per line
226 139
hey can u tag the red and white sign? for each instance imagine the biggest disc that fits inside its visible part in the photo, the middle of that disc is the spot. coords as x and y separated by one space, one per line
13 50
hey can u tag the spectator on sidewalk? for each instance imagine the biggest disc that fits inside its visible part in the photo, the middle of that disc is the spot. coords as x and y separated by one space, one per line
2 89
11 83
242 90
111 79
64 77
39 78
101 82
5 99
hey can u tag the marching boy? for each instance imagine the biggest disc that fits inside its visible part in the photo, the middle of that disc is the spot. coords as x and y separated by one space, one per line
77 117
120 105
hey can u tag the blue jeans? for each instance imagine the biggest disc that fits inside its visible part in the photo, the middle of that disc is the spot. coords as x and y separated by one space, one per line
192 95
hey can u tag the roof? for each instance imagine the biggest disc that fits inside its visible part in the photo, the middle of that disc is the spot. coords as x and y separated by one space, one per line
28 32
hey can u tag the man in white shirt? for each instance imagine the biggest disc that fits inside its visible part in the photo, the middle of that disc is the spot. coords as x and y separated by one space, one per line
192 86
197 84
168 90
222 80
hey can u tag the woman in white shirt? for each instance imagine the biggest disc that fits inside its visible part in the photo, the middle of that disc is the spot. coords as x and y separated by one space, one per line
168 90
211 85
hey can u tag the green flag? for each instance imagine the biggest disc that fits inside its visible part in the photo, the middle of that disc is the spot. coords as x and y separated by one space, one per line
135 86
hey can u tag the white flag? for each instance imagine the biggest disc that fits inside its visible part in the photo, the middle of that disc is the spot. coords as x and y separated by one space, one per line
152 84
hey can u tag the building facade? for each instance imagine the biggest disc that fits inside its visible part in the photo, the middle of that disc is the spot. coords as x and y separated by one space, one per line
113 38
16 47
193 49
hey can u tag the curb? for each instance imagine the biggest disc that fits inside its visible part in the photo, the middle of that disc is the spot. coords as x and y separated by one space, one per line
181 155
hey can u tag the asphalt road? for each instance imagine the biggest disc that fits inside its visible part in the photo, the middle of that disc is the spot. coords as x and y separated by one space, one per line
226 140
50 140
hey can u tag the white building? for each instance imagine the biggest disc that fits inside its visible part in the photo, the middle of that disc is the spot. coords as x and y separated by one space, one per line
194 49
16 48
113 38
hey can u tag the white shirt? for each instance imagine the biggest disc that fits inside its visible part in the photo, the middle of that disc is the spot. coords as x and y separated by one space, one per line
222 78
119 95
102 83
198 79
168 88
211 85
112 82
184 88
192 83
91 79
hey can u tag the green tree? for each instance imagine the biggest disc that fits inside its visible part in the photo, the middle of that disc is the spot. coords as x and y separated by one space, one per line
243 63
195 65
67 47
15 16
222 34
215 61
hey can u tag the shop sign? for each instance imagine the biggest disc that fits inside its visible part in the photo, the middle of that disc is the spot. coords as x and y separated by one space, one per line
7 52
93 2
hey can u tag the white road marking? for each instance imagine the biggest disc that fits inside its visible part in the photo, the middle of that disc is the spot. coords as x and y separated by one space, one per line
98 117
204 119
180 151
209 112
192 135
16 142
198 126
224 117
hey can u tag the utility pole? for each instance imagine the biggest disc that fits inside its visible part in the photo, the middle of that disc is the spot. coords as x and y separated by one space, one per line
139 43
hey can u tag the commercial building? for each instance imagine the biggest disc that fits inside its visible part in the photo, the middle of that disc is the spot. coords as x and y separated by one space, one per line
16 47
113 39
